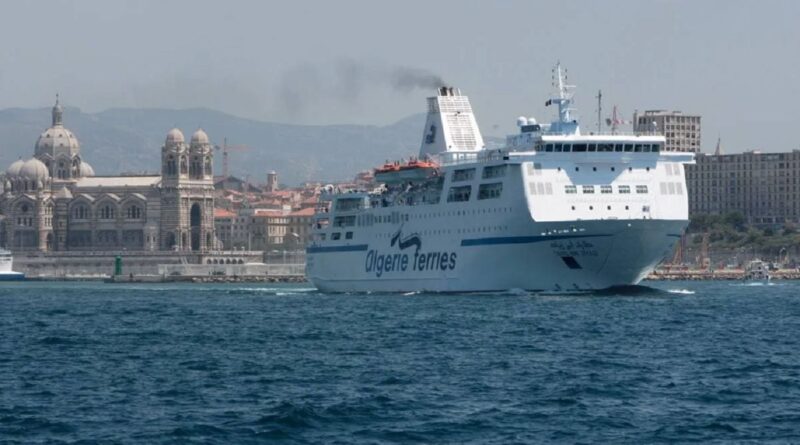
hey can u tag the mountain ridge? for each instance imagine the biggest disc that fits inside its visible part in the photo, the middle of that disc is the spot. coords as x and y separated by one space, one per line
129 140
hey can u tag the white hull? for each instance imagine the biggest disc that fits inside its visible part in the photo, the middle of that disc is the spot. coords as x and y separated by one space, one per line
6 263
606 254
12 276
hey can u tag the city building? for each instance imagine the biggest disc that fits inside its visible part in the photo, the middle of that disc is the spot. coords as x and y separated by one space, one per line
268 229
682 131
272 181
300 227
54 202
223 226
763 187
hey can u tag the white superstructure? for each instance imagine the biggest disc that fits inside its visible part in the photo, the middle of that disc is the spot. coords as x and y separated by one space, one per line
6 264
555 210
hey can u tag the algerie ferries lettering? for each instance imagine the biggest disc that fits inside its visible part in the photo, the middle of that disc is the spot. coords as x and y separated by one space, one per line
379 263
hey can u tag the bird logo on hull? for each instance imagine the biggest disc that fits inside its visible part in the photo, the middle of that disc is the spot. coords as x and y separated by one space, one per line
405 243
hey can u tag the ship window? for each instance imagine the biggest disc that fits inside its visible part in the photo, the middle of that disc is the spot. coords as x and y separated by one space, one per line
624 189
348 235
548 147
557 147
459 194
335 236
490 191
605 189
641 189
592 147
618 147
347 204
570 189
579 147
588 189
466 174
628 147
494 171
656 148
637 148
605 147
344 221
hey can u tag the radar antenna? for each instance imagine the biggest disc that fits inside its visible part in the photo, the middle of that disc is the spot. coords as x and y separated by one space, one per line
564 94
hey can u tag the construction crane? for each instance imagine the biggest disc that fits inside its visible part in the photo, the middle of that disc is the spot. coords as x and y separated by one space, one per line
615 121
226 149
677 257
705 259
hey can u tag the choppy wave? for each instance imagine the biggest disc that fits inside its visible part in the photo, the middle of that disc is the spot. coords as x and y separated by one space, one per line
681 291
274 363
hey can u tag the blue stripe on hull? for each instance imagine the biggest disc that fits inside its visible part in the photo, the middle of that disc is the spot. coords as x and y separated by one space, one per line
12 276
522 239
326 249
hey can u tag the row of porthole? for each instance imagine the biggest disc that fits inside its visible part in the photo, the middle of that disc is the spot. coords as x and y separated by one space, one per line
607 207
380 219
630 169
449 231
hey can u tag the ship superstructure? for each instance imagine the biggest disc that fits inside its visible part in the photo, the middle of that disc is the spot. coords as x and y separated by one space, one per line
554 210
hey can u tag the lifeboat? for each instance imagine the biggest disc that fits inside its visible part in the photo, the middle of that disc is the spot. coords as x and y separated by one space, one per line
387 168
411 171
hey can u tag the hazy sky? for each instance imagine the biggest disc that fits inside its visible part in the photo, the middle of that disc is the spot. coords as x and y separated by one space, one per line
736 63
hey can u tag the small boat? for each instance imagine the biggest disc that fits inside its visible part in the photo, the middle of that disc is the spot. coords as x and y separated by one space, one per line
6 263
388 168
756 271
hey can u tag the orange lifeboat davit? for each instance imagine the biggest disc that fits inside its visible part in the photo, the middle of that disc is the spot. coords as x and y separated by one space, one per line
412 171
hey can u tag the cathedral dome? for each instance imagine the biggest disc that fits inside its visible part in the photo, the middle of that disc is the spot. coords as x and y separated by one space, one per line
86 169
14 168
57 139
34 169
200 137
175 136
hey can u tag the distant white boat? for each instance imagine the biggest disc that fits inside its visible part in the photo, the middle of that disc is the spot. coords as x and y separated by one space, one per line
6 263
756 271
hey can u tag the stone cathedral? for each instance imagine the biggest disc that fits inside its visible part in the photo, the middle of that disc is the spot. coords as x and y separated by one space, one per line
55 202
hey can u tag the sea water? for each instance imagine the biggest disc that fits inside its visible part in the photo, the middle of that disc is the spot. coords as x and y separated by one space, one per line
679 362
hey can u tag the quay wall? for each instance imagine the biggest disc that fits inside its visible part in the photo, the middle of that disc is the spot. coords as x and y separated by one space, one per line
57 265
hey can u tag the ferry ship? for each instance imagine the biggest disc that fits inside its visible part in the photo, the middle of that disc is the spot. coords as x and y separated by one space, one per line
555 210
6 263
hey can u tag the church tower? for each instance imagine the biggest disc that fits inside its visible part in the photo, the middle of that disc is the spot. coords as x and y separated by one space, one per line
187 195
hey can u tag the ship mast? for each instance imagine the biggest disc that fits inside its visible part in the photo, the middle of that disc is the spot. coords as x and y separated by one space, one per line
564 90
599 111
566 123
